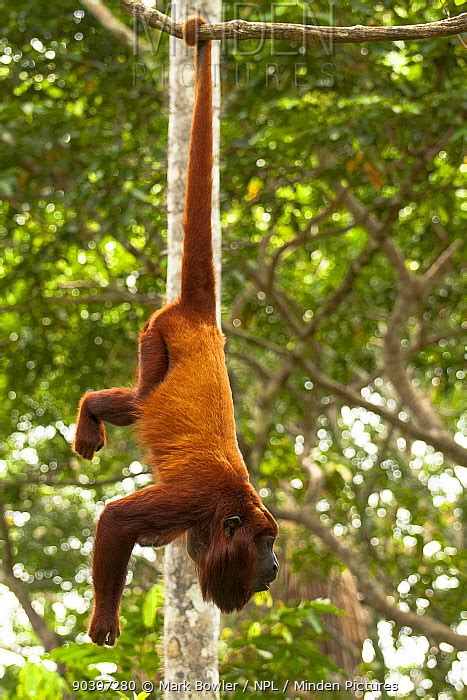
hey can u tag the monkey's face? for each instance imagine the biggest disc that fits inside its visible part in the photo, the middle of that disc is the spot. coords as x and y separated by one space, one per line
234 559
268 566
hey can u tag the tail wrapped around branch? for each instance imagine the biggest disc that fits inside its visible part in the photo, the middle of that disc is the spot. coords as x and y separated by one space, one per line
198 277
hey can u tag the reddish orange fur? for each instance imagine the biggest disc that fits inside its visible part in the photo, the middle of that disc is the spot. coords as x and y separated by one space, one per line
183 410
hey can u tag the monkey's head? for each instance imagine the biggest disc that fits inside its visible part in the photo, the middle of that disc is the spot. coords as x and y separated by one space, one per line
234 553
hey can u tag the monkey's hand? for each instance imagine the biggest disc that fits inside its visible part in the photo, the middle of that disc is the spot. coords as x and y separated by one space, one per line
104 628
90 435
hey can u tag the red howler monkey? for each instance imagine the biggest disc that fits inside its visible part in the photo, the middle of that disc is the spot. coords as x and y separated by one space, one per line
183 411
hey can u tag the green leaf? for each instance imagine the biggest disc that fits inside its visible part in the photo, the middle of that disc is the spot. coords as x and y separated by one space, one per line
35 681
152 603
315 622
322 607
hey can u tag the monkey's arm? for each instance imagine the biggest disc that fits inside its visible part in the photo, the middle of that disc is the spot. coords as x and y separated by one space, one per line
115 406
119 406
149 513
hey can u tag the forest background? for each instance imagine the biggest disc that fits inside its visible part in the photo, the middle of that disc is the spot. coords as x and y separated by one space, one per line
341 206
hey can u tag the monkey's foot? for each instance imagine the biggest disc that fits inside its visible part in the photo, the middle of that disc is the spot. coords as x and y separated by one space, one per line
90 437
104 629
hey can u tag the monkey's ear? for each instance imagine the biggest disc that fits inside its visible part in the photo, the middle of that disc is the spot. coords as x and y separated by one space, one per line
232 524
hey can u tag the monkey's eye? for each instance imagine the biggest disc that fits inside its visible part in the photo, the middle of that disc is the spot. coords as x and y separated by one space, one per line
232 524
267 543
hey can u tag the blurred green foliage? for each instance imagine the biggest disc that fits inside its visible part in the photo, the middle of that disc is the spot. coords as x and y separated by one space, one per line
83 151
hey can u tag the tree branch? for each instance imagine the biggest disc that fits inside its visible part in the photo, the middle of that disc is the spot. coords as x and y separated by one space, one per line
448 446
262 413
412 397
49 639
333 302
364 217
108 20
441 440
241 30
375 596
306 236
259 342
118 296
440 266
410 289
44 480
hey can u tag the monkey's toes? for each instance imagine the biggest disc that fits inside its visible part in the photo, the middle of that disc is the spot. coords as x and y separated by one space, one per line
104 630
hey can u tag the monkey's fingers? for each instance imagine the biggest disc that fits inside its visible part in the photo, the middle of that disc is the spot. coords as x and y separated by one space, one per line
89 439
86 449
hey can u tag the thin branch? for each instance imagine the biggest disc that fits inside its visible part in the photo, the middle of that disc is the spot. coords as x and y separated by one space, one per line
262 413
256 365
410 290
375 596
440 266
239 301
335 300
364 217
241 30
441 440
425 342
146 261
283 302
49 639
43 480
412 397
259 342
306 236
118 297
108 20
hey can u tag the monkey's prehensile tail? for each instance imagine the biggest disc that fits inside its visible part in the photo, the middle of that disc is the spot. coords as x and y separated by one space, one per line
198 277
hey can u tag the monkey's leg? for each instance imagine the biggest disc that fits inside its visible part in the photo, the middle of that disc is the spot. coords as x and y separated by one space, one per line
146 513
116 406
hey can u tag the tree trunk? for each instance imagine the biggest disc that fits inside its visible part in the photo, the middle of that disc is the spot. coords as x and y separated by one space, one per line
191 627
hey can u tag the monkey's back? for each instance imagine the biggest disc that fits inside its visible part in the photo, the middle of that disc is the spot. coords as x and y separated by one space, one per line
188 419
